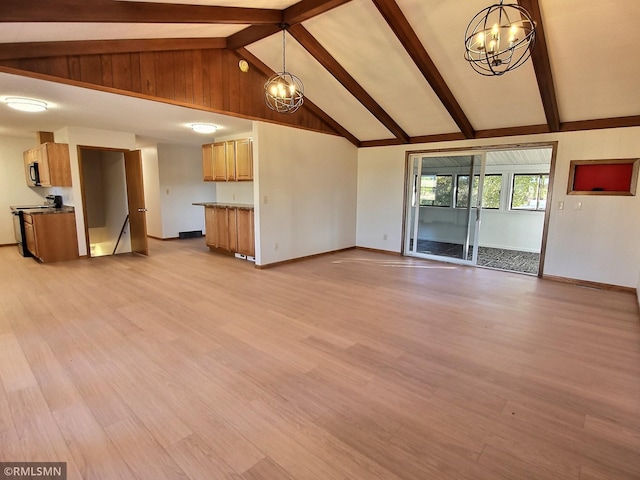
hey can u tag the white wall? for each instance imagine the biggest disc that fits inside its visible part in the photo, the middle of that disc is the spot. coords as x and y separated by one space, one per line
116 203
78 136
13 187
305 193
597 243
234 192
151 183
181 184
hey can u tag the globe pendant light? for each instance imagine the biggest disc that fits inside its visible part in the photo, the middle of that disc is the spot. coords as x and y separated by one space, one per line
284 92
499 39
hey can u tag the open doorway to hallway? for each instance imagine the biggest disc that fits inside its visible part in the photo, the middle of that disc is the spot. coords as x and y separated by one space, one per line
113 200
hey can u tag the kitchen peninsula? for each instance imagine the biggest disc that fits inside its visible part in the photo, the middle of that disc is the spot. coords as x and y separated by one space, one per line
230 228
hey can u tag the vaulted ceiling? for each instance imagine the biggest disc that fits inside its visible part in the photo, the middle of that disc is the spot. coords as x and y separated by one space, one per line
378 72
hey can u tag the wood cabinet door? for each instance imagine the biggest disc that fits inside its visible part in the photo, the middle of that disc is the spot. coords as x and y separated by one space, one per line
246 237
233 229
244 159
43 165
55 236
219 162
30 238
230 156
58 164
207 163
222 228
210 226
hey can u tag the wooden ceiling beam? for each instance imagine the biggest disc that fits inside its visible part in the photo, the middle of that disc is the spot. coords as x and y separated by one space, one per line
542 67
111 11
307 9
9 51
412 44
308 104
293 15
334 68
250 35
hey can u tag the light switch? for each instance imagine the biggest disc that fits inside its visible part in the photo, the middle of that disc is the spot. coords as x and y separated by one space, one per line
579 206
560 205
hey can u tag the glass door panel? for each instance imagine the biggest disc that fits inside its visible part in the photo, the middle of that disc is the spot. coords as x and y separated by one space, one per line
443 216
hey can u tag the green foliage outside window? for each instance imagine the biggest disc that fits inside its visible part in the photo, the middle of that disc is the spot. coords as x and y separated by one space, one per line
529 192
490 192
436 190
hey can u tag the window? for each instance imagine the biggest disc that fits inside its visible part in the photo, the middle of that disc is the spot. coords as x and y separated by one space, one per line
490 191
529 191
436 190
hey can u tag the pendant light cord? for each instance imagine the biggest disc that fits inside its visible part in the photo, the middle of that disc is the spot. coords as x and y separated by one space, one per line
284 31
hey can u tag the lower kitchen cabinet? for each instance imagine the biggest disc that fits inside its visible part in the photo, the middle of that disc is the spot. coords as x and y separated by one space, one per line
230 229
246 237
51 237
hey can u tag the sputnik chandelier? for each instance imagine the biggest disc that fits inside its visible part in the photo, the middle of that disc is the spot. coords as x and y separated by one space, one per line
499 39
284 92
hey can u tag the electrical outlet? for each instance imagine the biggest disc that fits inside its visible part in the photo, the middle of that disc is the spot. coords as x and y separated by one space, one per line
275 246
579 206
384 237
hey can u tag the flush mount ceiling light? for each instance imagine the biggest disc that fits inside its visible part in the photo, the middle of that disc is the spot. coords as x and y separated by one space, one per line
499 38
26 104
284 92
204 127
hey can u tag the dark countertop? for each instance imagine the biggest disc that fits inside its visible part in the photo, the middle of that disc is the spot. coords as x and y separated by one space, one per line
37 210
224 204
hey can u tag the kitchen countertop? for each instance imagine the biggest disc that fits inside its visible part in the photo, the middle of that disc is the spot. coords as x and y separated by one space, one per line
45 210
224 204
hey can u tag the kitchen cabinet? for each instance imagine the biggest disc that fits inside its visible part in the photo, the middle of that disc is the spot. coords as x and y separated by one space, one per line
54 166
229 161
245 232
244 159
220 162
207 163
51 237
230 229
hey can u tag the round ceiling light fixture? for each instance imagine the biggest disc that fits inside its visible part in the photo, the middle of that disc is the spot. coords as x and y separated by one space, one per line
204 127
26 104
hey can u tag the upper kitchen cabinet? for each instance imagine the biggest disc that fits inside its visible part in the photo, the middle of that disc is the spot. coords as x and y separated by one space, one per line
229 161
48 165
207 163
244 159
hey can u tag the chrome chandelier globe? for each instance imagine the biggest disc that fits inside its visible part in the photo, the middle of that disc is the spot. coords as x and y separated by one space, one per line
284 92
499 39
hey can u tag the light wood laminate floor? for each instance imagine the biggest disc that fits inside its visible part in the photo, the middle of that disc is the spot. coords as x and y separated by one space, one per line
356 365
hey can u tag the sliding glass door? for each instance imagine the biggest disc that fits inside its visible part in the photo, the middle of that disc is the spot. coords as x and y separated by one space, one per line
443 214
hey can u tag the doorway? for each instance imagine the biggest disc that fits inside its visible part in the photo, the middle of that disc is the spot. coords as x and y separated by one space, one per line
113 201
486 208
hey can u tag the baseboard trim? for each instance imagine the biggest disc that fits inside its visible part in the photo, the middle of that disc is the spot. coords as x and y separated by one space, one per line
377 250
299 259
8 245
589 284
